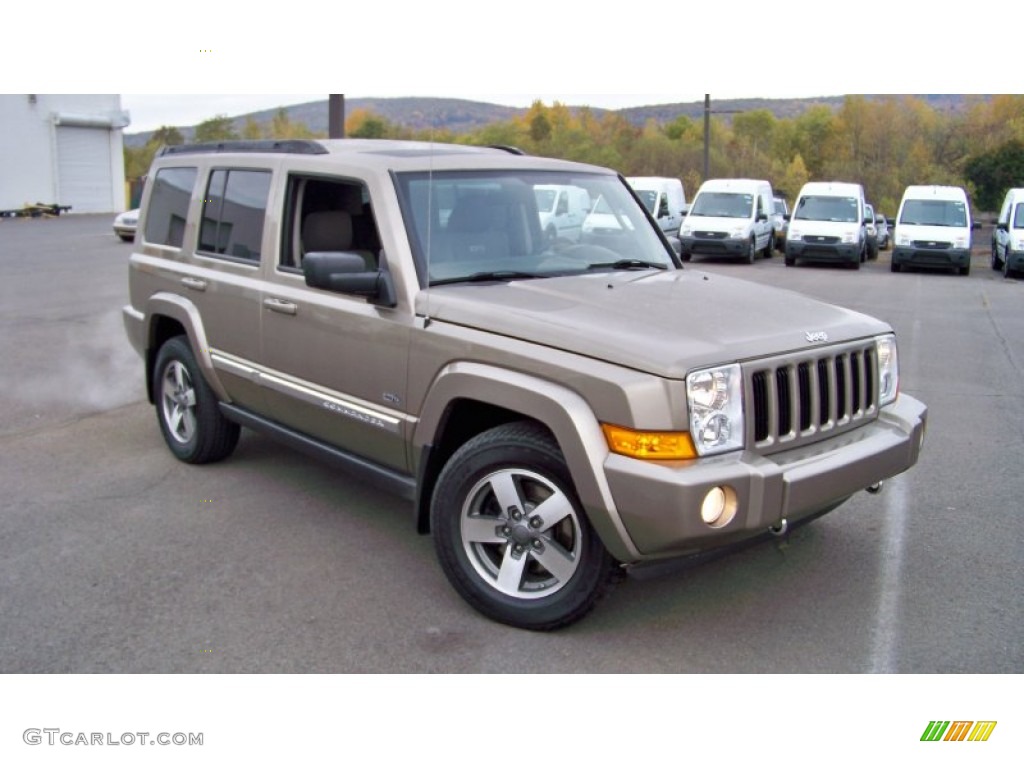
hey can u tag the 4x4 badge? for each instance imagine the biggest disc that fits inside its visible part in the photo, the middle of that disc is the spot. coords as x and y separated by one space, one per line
813 336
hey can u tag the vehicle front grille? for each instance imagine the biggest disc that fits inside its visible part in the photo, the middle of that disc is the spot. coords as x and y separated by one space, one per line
932 245
811 396
821 239
711 235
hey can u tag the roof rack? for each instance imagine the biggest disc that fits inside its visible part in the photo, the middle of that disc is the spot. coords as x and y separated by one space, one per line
507 148
287 146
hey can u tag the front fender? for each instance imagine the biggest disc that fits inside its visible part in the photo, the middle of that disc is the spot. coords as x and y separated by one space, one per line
561 410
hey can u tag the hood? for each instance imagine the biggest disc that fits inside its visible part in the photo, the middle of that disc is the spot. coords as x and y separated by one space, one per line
665 323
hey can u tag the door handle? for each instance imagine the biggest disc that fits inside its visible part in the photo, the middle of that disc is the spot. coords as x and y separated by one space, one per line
194 283
279 305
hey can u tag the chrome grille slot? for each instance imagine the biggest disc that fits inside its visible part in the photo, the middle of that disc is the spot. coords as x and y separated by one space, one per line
810 396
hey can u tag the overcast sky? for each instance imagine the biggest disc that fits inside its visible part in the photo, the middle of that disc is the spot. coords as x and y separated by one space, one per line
574 52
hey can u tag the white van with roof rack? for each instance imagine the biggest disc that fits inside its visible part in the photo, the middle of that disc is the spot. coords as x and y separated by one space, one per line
827 224
933 229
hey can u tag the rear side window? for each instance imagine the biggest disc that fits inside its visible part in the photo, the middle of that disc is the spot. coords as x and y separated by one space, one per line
168 206
233 212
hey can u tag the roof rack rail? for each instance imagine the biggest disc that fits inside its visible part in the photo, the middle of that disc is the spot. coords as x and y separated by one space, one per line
507 148
286 146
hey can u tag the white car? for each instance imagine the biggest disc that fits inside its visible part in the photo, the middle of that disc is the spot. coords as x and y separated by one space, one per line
125 225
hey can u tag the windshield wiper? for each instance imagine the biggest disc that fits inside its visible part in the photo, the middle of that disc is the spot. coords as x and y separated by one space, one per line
483 277
628 264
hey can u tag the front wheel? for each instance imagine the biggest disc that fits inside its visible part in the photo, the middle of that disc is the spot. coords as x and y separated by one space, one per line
752 251
510 534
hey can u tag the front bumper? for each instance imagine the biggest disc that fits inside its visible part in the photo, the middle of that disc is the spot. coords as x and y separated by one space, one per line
659 502
724 246
904 255
830 252
1014 261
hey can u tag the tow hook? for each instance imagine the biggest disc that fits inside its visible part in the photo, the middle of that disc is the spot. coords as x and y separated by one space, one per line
780 528
876 488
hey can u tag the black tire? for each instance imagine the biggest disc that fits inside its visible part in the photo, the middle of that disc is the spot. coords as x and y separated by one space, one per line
685 256
996 263
752 250
771 246
127 238
507 557
964 271
894 267
190 420
790 261
1006 264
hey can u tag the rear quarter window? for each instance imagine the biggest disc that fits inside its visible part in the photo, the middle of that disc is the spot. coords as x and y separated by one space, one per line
168 206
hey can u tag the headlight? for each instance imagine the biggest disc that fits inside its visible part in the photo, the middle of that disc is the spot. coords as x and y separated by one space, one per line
685 231
849 237
715 398
902 239
888 369
739 233
794 234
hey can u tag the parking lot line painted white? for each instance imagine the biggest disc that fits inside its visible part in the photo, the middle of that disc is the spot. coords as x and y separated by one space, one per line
885 631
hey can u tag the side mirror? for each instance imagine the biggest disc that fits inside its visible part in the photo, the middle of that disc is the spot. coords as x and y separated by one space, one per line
762 216
346 272
1004 226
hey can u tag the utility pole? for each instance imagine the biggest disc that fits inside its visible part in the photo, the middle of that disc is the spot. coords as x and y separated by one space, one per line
707 131
707 135
336 116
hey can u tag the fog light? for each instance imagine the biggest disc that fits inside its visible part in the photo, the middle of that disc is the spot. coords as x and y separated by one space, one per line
719 506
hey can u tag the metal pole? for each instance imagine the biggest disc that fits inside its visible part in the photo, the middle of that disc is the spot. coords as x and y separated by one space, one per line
707 135
336 116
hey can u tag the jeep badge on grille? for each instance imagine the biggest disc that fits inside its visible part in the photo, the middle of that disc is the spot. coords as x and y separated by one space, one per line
813 336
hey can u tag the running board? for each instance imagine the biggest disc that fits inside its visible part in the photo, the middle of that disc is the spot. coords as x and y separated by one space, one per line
382 477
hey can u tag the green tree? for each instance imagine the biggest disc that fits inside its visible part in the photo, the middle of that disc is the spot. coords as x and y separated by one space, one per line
992 173
219 128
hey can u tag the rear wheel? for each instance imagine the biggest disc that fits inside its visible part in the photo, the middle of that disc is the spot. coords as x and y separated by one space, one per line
187 409
511 535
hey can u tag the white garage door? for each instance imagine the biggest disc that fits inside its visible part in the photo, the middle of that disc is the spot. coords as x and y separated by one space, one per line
83 169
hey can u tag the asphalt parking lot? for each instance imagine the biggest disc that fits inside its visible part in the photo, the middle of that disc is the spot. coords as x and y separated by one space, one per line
116 558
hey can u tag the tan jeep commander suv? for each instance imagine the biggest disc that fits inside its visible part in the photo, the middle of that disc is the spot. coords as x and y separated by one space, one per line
555 409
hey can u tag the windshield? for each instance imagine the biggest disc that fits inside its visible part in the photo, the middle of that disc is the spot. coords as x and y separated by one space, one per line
826 208
726 205
486 225
934 213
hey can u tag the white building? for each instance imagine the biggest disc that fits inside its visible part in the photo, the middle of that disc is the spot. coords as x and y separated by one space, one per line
64 149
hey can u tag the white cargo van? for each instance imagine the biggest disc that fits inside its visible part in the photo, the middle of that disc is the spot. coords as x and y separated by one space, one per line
664 198
1008 235
828 224
729 217
562 209
933 229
